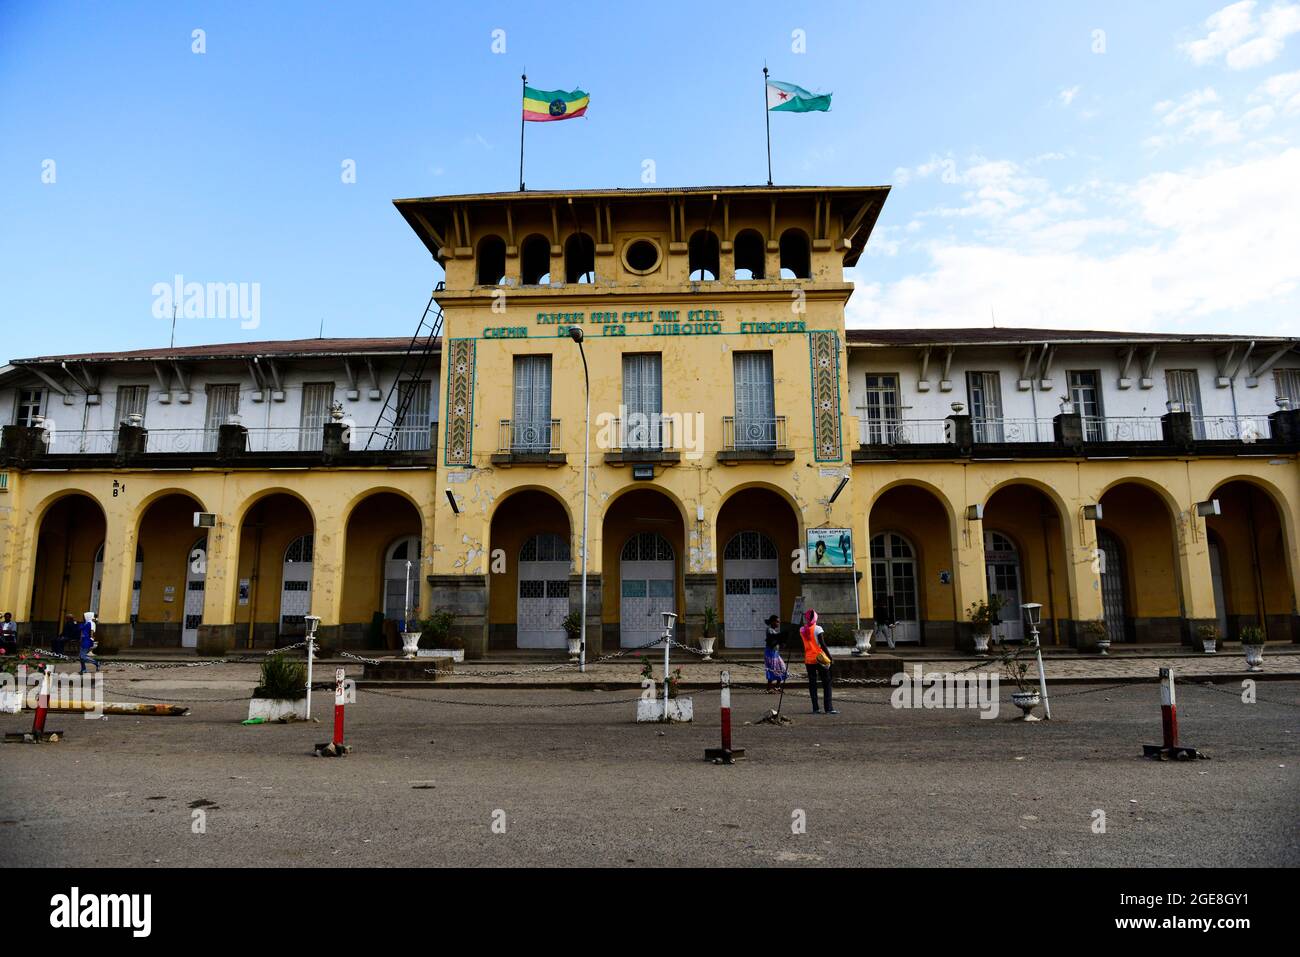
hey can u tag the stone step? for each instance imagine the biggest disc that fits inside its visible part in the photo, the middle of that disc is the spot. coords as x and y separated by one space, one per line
407 669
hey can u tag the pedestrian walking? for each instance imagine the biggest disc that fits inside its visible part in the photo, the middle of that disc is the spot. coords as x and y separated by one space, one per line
777 671
88 642
817 660
71 633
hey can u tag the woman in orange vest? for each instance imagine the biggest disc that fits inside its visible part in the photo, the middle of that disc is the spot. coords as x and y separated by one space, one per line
817 660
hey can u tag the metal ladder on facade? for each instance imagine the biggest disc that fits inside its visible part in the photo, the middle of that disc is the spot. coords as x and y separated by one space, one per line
411 371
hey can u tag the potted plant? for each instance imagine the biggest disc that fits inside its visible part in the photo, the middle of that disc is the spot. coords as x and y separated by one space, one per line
982 615
435 632
573 633
12 690
282 691
1096 633
1015 669
1252 643
862 641
708 633
1209 635
650 707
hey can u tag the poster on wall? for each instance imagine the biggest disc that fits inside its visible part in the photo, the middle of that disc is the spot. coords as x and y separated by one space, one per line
243 591
830 548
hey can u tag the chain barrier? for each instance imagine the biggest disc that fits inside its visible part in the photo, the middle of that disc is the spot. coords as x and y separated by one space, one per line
493 704
1207 686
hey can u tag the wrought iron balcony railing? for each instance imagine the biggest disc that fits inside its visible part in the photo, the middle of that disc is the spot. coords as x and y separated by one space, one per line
525 436
749 434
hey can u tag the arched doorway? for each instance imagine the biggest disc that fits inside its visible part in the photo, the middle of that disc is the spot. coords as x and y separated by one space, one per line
1025 559
893 585
1113 604
383 534
1141 593
1002 569
63 574
750 589
273 594
642 560
755 527
196 575
295 586
530 567
912 569
648 587
544 564
1250 564
402 579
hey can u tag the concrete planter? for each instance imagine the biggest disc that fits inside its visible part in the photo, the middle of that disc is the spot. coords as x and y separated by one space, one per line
706 647
862 641
275 709
679 709
455 654
1209 645
1027 701
981 642
11 702
410 644
575 647
1254 657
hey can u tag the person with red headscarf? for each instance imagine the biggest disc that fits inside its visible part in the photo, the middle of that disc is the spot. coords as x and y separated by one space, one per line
817 660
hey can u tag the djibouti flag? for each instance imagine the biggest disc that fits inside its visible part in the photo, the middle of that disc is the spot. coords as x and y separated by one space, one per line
788 98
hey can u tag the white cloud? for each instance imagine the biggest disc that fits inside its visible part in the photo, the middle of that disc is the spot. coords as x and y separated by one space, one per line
1283 90
1193 247
1242 39
1067 95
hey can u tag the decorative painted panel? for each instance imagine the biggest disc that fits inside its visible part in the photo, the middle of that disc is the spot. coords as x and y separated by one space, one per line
460 402
824 359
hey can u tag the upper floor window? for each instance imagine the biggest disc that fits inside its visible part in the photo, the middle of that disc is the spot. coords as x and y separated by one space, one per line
317 397
796 255
530 429
1085 393
223 402
755 425
535 261
642 401
580 259
703 256
750 255
1183 386
880 408
984 389
31 405
1287 382
413 430
132 400
491 261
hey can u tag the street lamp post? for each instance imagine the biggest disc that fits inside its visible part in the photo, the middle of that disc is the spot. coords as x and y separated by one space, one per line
575 333
1033 615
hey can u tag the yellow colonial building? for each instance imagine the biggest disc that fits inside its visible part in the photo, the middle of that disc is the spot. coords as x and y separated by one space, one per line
748 454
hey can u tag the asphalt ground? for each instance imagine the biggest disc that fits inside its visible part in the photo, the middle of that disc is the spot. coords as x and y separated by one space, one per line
564 777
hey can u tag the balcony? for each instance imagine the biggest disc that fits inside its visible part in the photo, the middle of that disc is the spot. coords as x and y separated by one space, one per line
335 442
753 439
1177 433
641 440
528 442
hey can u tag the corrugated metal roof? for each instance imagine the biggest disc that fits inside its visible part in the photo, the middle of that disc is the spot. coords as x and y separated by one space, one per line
241 350
1019 336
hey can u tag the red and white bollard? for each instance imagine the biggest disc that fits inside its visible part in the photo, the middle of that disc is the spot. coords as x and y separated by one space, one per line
725 754
336 748
38 732
1169 725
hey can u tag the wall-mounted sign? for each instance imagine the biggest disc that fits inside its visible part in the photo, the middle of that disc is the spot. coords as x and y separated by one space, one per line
243 591
169 593
830 547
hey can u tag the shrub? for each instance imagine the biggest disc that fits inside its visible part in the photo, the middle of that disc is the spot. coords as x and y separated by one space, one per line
282 678
1252 635
435 631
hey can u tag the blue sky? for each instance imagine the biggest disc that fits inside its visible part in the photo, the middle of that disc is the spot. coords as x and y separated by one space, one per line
1045 173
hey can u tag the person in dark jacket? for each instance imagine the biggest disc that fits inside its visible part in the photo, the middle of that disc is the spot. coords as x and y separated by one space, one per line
773 663
71 633
88 642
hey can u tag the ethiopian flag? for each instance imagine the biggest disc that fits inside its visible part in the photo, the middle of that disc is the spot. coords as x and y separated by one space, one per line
543 106
788 98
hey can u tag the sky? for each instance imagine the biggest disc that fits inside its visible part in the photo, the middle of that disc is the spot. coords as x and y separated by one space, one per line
1086 165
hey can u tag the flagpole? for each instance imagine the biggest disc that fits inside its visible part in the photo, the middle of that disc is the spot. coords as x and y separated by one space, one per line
523 94
767 120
